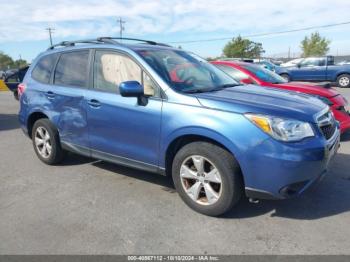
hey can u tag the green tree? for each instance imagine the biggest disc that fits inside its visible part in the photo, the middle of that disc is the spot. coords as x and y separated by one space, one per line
20 63
240 47
315 45
5 61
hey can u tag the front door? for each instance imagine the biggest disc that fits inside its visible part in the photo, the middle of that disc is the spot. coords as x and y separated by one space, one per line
120 129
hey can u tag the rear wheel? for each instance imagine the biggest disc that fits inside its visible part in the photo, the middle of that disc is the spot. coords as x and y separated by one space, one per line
286 77
46 142
207 178
343 80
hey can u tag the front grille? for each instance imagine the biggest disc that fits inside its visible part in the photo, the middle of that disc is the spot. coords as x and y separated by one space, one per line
327 124
328 130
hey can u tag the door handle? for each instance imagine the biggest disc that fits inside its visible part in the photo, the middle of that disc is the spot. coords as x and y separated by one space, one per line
50 95
94 103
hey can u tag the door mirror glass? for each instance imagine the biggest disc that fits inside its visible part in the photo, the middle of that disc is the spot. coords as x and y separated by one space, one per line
131 89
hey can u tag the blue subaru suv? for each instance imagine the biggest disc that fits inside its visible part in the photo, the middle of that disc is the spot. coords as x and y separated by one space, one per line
156 108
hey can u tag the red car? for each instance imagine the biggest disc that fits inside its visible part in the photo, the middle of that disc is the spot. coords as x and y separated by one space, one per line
248 73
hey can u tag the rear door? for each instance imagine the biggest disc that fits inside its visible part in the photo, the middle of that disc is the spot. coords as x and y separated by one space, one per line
120 129
65 97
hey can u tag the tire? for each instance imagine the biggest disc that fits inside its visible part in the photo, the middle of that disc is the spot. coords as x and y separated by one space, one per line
15 95
227 193
286 77
41 129
343 81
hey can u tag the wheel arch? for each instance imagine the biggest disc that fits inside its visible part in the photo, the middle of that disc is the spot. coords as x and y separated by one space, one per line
176 142
33 117
341 73
285 73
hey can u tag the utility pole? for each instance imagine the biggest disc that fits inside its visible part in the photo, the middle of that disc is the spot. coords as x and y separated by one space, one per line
121 26
289 53
50 30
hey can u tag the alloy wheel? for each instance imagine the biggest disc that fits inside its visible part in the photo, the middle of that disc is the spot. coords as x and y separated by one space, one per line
43 142
201 180
344 81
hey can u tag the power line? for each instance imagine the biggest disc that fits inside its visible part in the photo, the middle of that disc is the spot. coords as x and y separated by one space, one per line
261 34
50 30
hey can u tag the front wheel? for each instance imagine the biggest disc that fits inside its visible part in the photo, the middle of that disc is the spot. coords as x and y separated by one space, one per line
343 80
207 178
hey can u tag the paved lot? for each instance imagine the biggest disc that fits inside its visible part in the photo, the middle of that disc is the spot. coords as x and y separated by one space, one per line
90 207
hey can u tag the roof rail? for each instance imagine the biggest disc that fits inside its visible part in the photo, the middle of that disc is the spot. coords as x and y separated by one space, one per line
72 43
104 40
132 39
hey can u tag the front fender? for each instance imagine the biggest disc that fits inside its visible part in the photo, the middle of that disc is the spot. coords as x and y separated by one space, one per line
198 131
232 130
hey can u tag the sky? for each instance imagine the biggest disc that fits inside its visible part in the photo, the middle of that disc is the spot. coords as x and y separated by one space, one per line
23 23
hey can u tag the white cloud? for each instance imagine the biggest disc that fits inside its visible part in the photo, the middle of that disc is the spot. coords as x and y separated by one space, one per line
26 20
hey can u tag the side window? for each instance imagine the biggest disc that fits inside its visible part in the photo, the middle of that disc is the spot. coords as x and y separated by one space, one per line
309 62
322 62
72 69
234 73
150 88
42 70
111 69
330 60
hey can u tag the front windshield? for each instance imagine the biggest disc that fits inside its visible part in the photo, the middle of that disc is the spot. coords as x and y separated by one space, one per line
265 74
186 72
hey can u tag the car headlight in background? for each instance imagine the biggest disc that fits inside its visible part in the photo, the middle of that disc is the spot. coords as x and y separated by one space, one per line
288 130
325 100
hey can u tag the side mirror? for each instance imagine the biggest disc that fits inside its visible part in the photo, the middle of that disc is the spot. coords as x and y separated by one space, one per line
133 89
247 81
298 65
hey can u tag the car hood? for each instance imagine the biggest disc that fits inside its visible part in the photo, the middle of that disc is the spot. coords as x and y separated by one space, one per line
263 100
309 89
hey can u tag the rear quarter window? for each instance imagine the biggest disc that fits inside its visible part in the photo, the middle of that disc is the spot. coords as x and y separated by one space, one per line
43 69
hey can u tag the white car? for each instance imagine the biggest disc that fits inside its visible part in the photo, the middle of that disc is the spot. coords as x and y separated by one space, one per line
292 62
345 62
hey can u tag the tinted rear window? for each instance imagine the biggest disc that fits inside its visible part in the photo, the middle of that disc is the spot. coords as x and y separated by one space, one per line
42 70
72 69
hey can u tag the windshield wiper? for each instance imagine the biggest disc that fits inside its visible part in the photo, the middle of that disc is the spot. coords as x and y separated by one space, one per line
221 87
204 90
228 85
196 91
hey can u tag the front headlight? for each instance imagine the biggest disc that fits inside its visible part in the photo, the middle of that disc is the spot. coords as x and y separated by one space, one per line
288 130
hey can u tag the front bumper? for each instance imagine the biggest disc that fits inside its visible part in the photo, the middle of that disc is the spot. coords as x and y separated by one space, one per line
275 170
